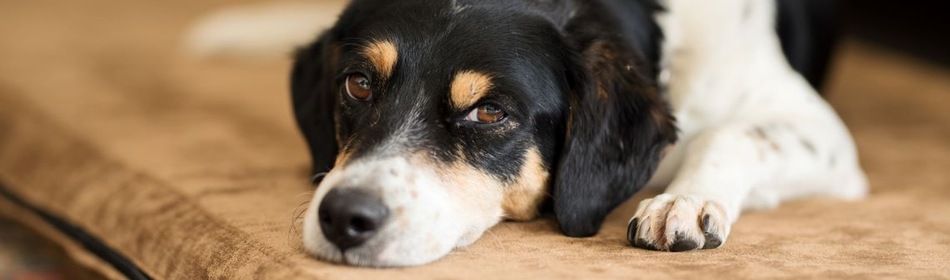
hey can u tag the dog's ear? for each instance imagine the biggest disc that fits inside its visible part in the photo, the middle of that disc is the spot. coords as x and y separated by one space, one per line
617 127
312 89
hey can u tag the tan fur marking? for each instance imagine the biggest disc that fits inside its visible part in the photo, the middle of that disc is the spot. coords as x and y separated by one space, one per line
341 158
524 196
383 55
659 116
666 150
480 192
476 193
468 87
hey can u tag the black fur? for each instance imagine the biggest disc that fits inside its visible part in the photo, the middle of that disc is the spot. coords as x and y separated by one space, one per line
809 32
619 123
523 50
313 101
577 79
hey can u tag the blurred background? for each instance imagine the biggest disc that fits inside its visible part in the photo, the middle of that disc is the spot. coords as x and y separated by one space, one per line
914 34
919 28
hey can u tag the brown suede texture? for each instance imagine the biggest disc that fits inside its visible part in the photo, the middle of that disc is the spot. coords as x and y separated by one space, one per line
194 169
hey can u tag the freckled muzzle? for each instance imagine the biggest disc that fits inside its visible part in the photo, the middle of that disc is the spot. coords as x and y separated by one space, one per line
388 212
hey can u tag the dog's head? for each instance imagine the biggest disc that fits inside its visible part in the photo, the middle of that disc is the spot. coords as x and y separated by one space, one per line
435 121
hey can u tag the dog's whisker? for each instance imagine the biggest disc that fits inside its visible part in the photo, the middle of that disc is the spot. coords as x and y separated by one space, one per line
304 194
318 177
292 231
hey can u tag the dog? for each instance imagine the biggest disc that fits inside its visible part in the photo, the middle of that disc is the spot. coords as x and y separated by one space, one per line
430 121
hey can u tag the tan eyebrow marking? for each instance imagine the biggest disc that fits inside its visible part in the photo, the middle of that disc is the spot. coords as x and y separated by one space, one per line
468 87
383 55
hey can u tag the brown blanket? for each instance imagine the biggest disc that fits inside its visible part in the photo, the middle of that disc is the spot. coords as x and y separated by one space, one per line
194 169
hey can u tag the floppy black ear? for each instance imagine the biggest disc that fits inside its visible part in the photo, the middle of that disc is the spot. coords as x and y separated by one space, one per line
312 90
618 126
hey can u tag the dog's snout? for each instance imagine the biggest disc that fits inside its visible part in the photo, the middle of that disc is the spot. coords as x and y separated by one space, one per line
350 217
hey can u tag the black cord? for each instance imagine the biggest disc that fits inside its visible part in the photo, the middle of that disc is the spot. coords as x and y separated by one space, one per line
89 242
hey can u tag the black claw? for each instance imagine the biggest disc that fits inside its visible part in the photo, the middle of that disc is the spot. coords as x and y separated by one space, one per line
642 243
712 241
632 232
683 243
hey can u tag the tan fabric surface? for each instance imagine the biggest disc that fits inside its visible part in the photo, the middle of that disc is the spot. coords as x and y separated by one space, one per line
83 265
194 169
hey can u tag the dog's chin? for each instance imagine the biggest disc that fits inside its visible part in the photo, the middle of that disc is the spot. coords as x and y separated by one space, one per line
377 257
387 251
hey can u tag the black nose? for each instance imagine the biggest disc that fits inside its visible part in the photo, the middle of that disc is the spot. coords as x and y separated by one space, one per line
349 217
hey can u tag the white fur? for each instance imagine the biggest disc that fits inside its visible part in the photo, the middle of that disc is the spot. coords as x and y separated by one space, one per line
263 30
728 82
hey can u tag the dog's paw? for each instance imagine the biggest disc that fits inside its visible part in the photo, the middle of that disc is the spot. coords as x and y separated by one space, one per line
678 223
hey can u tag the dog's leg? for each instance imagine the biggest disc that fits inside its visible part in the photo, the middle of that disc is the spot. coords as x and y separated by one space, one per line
754 133
745 165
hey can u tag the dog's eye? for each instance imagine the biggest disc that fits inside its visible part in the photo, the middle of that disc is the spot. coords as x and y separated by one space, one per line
358 87
487 113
